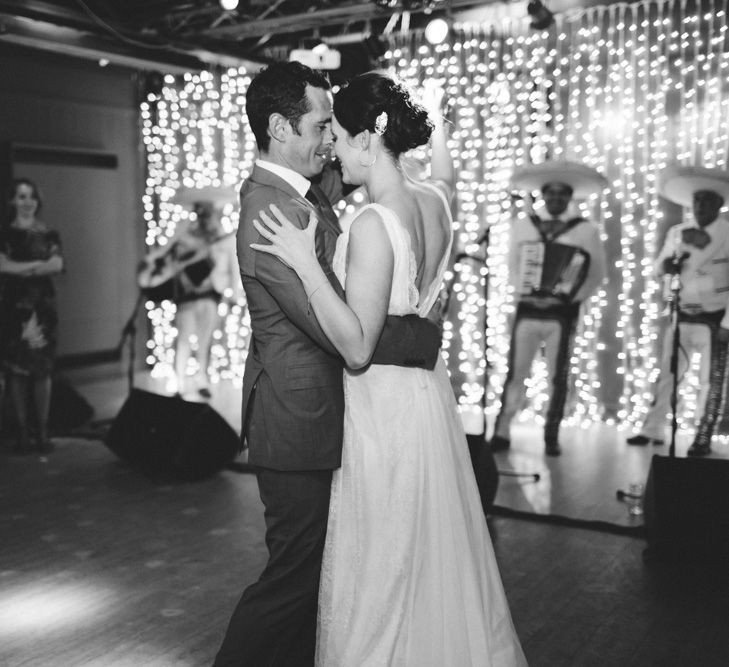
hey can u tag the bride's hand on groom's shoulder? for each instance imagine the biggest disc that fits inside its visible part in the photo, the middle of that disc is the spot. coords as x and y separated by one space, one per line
293 246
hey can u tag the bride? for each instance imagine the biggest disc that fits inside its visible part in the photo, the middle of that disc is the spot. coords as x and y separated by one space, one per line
409 577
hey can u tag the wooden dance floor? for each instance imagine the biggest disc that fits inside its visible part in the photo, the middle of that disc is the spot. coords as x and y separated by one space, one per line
101 566
581 484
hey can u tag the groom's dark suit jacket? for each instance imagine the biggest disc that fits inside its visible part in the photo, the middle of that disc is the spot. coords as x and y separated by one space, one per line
293 403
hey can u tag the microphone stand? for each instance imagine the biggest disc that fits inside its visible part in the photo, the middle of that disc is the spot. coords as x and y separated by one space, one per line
675 286
129 333
486 472
673 298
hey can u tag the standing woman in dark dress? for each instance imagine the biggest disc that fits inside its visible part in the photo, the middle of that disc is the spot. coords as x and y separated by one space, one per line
30 254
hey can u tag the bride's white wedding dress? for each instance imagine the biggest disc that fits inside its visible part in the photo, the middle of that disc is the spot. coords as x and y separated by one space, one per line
409 577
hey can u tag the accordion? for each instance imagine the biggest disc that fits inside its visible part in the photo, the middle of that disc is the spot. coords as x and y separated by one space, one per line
552 269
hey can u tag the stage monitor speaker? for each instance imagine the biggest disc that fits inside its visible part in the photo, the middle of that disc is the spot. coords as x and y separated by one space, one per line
165 435
687 509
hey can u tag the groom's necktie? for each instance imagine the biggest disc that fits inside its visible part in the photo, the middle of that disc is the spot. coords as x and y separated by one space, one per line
321 204
328 229
312 197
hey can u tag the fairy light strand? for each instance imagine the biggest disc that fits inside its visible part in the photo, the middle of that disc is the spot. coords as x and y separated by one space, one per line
608 76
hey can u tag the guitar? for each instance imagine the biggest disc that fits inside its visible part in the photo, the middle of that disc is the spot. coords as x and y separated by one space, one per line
157 269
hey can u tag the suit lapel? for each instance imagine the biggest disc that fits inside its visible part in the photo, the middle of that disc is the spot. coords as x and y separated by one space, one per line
325 212
328 230
263 176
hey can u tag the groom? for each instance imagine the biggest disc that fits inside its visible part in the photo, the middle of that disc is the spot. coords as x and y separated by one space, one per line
293 402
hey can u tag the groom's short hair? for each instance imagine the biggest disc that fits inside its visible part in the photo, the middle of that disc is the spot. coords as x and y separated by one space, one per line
280 88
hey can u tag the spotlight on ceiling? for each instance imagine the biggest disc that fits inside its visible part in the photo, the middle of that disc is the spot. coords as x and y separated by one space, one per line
436 31
319 57
229 5
541 17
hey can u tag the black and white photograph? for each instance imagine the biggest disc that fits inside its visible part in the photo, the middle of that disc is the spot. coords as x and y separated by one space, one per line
364 334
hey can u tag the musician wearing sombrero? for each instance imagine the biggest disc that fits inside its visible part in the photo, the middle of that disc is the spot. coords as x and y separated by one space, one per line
556 261
195 269
698 252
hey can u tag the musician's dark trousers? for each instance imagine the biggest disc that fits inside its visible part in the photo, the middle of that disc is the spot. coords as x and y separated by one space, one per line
274 624
697 333
553 329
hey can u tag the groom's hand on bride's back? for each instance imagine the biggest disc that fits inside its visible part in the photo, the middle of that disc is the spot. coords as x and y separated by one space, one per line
409 341
428 337
438 312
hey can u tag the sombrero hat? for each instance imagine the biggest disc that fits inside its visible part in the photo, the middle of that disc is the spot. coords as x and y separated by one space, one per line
678 183
218 195
583 180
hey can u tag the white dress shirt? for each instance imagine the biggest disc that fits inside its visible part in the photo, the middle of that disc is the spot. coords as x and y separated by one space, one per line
300 183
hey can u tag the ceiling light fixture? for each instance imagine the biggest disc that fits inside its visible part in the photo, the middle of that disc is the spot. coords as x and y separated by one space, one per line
320 57
229 5
436 31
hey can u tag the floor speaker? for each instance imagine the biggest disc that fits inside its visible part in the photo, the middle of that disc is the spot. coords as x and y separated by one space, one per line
687 509
165 435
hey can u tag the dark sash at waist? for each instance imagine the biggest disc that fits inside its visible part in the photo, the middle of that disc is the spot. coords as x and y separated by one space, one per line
712 319
559 311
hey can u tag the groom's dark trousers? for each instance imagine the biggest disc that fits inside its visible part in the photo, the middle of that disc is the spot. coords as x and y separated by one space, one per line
275 620
293 404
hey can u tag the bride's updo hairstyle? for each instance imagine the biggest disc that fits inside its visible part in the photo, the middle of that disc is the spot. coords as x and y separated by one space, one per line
360 104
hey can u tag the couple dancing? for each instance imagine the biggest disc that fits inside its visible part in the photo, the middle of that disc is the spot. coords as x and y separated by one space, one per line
397 569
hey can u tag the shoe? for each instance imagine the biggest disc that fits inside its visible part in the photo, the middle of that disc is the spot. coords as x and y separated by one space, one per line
697 450
642 440
552 448
499 444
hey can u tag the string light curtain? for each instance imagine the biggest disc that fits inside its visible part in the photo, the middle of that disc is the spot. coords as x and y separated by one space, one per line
625 88
195 134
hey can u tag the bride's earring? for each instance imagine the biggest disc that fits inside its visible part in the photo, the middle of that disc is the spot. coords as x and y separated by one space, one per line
362 162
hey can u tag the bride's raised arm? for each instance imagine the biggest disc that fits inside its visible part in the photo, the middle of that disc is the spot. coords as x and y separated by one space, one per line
442 169
354 326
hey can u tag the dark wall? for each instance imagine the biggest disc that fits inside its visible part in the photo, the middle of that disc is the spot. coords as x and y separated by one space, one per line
81 109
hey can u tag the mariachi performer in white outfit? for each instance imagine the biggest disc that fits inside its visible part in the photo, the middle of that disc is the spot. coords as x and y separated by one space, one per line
556 261
698 252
